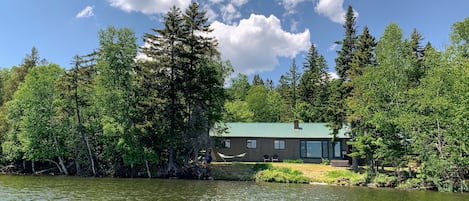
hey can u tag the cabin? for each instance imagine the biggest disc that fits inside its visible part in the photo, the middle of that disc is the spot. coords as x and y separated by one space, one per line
260 142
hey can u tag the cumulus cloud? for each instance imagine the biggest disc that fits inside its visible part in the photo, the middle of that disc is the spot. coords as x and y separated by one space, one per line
86 12
229 13
332 9
255 44
148 6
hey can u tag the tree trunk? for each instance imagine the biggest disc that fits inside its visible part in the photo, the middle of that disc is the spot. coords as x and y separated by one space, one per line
32 167
354 164
148 169
440 140
61 162
84 140
58 166
171 167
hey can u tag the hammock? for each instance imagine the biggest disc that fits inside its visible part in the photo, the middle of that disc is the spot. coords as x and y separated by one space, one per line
223 156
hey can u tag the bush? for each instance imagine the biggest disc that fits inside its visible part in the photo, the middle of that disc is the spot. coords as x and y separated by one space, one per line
383 180
345 177
414 183
293 161
325 161
262 166
281 175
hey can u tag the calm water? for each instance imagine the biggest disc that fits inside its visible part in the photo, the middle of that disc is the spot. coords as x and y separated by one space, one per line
76 188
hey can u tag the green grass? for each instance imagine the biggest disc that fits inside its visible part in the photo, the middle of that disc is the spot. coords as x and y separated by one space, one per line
345 177
281 175
293 161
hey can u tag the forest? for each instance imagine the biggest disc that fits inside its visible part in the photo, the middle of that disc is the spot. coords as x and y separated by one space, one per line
111 114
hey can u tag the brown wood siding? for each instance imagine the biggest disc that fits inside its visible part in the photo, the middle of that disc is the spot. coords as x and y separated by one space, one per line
266 146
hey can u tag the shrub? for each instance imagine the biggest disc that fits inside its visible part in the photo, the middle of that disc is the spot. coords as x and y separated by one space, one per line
383 180
414 183
345 177
293 161
262 166
281 175
325 161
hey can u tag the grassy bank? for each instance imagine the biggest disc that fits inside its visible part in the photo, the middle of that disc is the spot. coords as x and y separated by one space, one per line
289 172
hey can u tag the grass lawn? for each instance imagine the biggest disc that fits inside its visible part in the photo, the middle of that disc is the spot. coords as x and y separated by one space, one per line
244 170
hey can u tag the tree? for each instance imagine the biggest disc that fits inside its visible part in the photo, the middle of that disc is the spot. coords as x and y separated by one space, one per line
19 73
344 57
257 80
37 133
189 80
379 100
114 96
76 92
265 104
313 88
239 87
288 89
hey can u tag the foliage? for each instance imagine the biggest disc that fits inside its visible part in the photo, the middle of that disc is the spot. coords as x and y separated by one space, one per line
413 183
262 166
281 175
293 161
339 176
325 161
383 180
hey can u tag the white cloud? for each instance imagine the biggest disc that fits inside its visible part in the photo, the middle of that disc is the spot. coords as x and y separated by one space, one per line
229 13
290 5
86 12
215 1
211 14
148 6
239 3
332 9
254 44
333 75
332 47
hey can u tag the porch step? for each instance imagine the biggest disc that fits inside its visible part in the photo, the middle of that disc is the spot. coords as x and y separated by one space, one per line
340 163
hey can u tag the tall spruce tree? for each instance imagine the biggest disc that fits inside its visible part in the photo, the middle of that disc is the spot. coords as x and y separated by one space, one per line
189 80
312 88
344 58
288 89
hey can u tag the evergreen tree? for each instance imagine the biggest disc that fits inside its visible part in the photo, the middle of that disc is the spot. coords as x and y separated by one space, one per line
344 58
288 90
312 88
189 81
257 80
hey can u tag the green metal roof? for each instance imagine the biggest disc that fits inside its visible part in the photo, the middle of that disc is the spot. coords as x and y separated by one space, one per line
279 130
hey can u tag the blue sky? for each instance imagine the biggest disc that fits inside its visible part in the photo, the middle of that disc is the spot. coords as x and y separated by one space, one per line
257 36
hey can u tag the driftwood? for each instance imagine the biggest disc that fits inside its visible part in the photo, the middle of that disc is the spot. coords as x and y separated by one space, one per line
46 170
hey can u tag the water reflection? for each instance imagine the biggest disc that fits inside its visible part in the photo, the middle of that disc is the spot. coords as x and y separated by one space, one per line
77 188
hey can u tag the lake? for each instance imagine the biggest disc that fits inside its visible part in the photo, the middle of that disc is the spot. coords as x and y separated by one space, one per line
79 188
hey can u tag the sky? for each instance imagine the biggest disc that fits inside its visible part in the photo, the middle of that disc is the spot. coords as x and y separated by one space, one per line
257 36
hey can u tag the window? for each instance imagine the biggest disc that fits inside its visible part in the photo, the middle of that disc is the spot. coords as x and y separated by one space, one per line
251 144
338 150
279 144
314 149
227 143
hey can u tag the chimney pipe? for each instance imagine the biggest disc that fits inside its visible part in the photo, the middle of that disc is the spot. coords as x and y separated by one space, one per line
296 124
